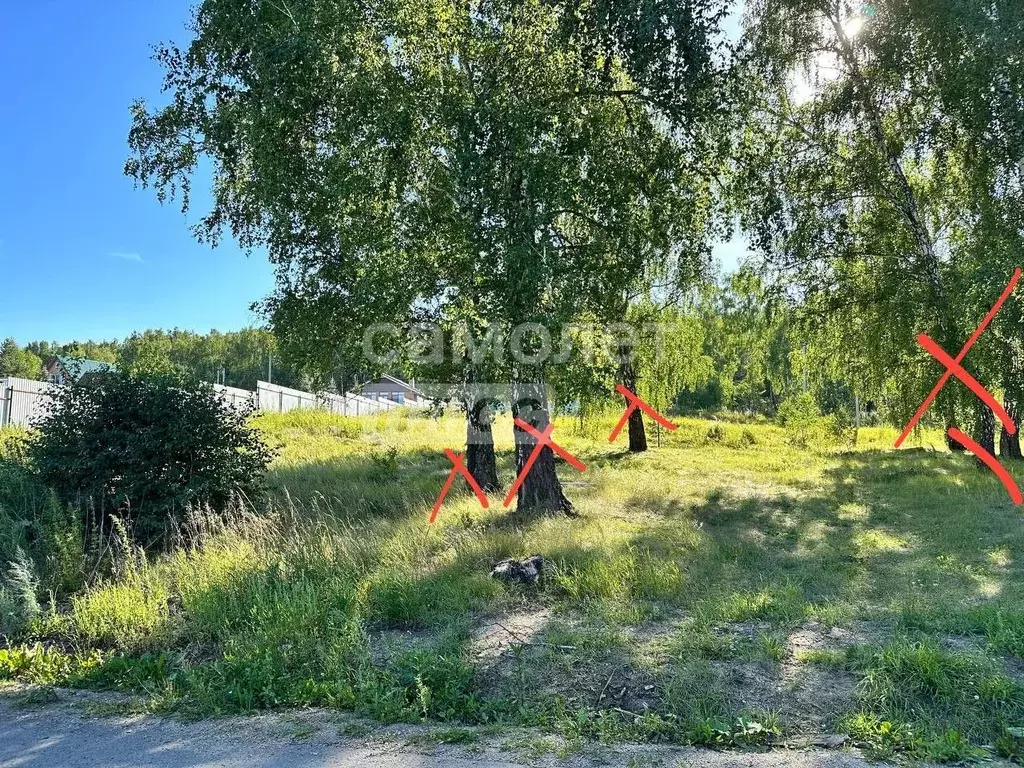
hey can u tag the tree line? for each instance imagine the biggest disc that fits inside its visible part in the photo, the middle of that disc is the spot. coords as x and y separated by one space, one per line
234 358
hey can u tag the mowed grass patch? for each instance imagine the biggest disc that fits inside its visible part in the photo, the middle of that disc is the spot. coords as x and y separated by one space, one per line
711 548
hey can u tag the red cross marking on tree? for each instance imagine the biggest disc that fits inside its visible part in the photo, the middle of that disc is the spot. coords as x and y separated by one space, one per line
543 439
634 403
458 468
952 369
990 462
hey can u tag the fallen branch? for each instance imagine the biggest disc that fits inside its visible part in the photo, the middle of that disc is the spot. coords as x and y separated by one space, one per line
607 683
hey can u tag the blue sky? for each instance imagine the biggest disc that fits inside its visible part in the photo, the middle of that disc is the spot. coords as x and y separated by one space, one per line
83 254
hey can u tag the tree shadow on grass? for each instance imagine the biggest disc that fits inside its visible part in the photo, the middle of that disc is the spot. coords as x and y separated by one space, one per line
880 530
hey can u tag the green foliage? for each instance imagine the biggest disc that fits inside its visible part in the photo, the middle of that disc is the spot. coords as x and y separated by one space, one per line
22 363
237 358
13 445
609 201
41 541
875 187
706 398
716 433
957 699
883 737
1010 743
45 666
307 421
130 612
103 351
147 449
386 463
341 596
800 416
19 605
741 732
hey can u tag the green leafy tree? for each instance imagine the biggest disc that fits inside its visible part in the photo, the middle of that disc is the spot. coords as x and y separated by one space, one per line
22 363
881 157
237 358
404 162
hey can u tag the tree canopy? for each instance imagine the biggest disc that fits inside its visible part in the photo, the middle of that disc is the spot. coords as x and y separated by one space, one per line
504 163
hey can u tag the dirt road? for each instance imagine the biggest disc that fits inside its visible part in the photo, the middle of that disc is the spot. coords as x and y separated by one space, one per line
63 733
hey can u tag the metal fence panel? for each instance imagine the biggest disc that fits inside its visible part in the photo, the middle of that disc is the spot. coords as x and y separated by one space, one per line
278 399
234 396
22 401
351 404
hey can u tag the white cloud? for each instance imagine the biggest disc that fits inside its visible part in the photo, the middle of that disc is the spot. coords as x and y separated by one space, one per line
128 256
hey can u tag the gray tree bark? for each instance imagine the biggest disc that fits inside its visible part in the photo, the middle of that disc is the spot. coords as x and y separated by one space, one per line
541 490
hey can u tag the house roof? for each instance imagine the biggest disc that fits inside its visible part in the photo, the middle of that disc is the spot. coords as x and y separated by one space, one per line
395 380
79 366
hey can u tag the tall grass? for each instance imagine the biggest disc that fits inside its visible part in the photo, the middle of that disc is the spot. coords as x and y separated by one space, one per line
726 524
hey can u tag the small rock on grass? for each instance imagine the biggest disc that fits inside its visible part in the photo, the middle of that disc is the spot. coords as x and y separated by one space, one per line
526 572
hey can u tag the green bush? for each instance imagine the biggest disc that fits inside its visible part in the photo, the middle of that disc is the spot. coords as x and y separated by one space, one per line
706 398
716 433
800 416
147 449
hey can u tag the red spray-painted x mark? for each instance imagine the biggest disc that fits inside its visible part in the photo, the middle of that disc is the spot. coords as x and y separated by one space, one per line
953 368
458 468
990 462
634 403
543 440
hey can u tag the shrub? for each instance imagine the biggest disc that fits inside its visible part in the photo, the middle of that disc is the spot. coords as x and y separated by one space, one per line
716 433
708 397
13 445
38 534
799 415
147 448
18 602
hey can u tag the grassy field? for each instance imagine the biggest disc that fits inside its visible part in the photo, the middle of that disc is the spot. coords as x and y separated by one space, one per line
729 587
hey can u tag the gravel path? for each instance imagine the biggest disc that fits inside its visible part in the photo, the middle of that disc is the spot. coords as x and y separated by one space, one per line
63 734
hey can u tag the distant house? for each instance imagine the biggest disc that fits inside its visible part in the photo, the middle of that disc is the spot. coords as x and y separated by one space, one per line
63 369
392 388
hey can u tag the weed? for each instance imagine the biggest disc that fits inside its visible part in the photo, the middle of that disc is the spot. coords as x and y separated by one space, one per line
355 730
1010 743
39 696
881 737
741 731
455 736
953 697
532 747
386 463
303 731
